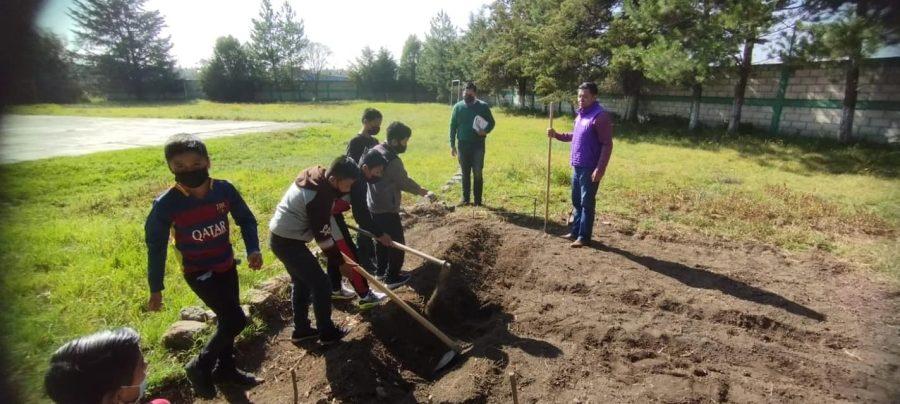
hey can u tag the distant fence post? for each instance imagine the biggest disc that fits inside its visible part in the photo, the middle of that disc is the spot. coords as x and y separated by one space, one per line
779 99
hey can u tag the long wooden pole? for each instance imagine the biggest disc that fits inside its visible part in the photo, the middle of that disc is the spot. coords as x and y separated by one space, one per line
409 310
549 155
403 247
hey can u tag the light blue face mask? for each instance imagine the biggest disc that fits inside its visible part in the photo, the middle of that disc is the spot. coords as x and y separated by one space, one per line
142 389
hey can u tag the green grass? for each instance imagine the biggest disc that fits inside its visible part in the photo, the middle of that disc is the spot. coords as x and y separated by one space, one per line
72 240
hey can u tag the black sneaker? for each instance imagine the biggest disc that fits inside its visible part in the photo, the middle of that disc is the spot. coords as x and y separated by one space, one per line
396 281
201 380
334 337
234 375
304 335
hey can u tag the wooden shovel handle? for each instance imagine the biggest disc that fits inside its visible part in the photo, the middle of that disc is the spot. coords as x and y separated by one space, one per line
409 310
404 248
549 155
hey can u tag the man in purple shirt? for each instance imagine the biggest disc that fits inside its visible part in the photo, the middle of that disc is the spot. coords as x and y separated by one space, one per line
591 147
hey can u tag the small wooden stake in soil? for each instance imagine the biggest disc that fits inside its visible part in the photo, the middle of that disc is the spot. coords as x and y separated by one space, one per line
512 385
294 382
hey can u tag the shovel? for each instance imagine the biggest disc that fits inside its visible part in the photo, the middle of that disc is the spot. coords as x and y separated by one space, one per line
404 248
455 348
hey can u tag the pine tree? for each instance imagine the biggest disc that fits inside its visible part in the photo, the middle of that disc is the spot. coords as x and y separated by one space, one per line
124 47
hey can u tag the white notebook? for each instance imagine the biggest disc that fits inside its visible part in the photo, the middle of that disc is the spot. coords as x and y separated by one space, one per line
479 123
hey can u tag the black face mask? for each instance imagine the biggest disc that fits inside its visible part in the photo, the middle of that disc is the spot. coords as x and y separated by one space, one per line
399 148
193 179
373 131
373 179
469 99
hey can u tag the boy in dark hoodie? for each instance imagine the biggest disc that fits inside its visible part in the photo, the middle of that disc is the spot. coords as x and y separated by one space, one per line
365 139
303 215
371 167
362 142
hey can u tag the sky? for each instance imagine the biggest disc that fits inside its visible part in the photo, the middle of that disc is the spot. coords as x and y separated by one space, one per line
345 26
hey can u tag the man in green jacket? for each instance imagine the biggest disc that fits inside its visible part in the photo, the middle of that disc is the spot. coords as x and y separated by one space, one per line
470 122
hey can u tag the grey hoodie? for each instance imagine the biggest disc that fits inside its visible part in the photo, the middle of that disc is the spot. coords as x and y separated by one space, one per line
384 196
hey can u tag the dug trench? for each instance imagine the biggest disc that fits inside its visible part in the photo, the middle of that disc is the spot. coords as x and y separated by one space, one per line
629 320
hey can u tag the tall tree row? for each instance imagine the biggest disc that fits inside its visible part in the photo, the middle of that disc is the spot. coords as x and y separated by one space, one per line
440 50
279 44
848 31
49 72
123 47
407 71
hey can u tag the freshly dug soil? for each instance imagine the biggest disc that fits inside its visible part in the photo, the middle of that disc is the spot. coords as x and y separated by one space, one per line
627 320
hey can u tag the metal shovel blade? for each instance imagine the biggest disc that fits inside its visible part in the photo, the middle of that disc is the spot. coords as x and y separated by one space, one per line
445 360
458 351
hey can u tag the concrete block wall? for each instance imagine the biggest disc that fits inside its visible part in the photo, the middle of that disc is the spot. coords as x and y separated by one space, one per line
813 100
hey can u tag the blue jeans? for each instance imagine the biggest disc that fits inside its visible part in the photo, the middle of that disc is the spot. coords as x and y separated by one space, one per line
584 201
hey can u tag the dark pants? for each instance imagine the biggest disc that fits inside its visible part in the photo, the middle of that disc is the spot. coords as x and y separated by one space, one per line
365 246
219 291
471 162
584 201
390 260
310 284
334 270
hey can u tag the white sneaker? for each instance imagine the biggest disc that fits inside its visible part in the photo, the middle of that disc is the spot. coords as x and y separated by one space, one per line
370 300
377 293
347 289
342 294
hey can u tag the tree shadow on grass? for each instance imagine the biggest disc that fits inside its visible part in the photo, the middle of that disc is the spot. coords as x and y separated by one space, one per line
697 278
810 155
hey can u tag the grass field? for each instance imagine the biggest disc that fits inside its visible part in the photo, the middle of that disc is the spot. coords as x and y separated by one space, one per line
72 242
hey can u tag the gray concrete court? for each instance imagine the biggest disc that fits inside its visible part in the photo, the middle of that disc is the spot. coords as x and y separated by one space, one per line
32 137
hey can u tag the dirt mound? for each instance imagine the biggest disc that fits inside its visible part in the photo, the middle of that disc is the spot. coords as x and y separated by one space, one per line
455 299
627 321
425 210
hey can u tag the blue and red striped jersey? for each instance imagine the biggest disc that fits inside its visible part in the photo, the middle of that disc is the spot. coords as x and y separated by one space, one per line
200 229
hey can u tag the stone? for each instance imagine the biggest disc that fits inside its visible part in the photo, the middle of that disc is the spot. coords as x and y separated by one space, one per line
211 317
194 313
261 302
246 309
181 334
279 286
381 393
